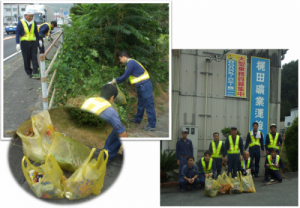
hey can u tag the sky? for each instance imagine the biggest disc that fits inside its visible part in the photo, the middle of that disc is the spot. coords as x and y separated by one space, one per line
291 55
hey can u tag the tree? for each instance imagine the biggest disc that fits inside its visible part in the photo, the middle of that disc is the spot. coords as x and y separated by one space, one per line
289 88
291 144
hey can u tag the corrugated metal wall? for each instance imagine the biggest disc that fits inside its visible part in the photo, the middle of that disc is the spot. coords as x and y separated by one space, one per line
190 66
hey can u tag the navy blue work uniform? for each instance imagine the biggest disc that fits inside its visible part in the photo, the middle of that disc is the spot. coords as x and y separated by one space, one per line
279 142
233 159
202 173
184 148
113 143
218 161
275 174
144 93
189 173
251 166
43 30
255 150
28 48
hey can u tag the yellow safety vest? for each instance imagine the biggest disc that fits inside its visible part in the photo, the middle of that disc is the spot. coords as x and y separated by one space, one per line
270 163
207 169
134 80
254 141
95 105
28 36
248 164
273 143
216 152
234 149
48 26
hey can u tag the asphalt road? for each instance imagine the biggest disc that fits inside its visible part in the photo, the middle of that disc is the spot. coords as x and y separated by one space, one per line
280 194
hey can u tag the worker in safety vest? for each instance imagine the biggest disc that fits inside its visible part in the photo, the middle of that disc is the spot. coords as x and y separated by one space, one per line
273 140
44 32
255 141
102 107
184 149
189 174
28 34
246 164
234 148
207 167
139 76
218 152
272 165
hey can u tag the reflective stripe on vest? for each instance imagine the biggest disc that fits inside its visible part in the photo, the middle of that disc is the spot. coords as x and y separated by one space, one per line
207 170
28 36
254 141
216 152
248 163
270 163
134 80
234 149
47 34
95 105
273 143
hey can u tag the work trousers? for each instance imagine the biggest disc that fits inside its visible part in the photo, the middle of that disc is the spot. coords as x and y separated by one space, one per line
233 161
112 144
145 100
183 183
183 162
275 174
255 157
218 162
42 49
29 53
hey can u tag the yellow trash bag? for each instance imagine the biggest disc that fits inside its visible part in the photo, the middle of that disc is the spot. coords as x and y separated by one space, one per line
247 183
120 99
42 119
69 153
88 178
32 144
236 186
45 180
47 135
211 187
224 183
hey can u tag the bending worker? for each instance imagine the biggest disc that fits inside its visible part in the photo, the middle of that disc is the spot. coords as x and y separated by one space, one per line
234 147
273 139
28 33
255 140
207 167
102 107
184 149
189 174
218 152
139 76
44 30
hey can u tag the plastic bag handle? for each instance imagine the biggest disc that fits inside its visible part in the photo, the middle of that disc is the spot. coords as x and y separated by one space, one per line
23 168
101 155
53 161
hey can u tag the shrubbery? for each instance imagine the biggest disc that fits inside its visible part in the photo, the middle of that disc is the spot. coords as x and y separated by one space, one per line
291 144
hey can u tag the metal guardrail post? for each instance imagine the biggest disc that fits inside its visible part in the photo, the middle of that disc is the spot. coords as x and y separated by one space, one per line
44 81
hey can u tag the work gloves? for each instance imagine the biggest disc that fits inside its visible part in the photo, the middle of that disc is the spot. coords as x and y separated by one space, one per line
18 47
41 43
114 81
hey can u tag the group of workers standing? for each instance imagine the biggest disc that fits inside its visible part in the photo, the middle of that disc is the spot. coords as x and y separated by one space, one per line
237 158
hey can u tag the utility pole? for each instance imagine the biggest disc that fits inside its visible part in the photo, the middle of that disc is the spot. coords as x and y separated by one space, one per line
11 13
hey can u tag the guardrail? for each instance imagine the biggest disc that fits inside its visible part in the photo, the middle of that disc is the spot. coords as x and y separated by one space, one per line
44 73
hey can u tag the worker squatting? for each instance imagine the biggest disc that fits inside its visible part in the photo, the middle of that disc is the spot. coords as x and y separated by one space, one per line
238 160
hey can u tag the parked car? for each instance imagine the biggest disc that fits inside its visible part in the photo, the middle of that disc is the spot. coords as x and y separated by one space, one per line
12 27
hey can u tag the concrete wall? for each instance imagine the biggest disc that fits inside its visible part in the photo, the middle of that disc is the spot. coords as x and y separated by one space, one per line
189 90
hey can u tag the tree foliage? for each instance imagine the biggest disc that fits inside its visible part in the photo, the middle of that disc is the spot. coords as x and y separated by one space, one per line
227 131
291 144
289 88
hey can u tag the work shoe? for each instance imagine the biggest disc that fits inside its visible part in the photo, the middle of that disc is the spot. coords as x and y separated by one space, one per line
134 121
266 180
30 76
36 76
179 187
256 176
148 128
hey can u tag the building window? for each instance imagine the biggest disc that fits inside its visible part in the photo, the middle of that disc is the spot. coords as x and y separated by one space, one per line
23 9
14 9
7 9
289 123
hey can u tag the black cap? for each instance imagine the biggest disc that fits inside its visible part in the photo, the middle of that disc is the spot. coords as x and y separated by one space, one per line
233 127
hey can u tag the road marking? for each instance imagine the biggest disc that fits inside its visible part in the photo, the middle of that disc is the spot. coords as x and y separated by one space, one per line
9 38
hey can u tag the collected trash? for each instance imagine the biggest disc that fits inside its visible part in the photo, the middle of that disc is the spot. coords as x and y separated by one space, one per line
44 180
120 99
88 178
247 183
224 184
236 187
211 187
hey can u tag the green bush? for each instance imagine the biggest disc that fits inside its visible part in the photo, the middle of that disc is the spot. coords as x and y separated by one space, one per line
227 131
86 118
291 144
168 162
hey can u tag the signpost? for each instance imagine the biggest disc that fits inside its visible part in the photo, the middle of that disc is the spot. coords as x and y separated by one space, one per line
260 94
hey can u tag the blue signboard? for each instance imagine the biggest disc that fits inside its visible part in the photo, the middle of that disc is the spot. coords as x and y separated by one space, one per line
260 94
230 78
65 13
